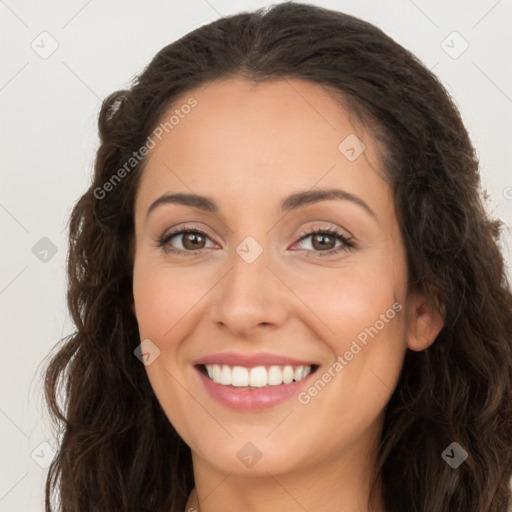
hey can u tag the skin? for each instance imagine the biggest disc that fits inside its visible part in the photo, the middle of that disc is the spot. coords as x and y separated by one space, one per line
247 147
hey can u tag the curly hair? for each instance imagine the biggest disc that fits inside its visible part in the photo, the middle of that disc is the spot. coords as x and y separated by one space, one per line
117 448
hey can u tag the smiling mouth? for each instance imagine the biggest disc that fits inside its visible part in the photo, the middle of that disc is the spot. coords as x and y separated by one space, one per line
256 377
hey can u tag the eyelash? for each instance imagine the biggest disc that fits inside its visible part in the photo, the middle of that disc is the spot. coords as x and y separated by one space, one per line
347 244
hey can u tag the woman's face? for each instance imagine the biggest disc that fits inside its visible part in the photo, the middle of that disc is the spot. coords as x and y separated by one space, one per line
258 290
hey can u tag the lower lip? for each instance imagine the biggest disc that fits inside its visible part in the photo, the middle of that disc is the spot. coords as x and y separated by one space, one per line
252 400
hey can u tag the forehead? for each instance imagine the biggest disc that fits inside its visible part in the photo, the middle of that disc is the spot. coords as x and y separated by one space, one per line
260 140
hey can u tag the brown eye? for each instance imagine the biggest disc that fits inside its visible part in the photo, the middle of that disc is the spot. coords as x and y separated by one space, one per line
192 240
322 241
325 242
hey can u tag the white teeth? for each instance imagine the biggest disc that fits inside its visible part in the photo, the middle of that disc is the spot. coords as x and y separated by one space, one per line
288 374
225 376
239 376
256 377
215 369
275 376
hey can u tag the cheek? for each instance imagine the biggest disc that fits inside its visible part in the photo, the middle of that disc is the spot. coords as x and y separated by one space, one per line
160 306
163 297
363 314
352 298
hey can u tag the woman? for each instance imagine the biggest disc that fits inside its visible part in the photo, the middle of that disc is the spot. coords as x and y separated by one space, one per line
287 292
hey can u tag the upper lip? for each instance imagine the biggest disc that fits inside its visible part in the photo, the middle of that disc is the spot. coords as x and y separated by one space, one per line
251 360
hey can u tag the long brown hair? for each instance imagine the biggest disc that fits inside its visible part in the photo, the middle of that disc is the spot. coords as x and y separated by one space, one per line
118 451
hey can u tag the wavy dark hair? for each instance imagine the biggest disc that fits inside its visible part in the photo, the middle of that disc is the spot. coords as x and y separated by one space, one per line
117 448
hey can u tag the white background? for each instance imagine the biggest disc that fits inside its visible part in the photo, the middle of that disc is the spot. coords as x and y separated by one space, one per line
48 140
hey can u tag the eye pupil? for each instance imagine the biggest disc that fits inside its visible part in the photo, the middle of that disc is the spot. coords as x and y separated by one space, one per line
321 238
193 239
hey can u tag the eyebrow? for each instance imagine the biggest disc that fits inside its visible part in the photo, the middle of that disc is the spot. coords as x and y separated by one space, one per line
292 202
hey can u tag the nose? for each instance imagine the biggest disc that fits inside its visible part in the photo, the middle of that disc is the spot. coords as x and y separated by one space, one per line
251 297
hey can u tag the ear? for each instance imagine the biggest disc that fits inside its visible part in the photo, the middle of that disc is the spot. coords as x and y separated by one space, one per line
424 320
